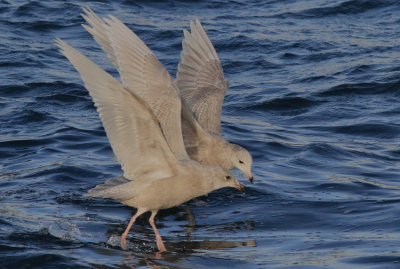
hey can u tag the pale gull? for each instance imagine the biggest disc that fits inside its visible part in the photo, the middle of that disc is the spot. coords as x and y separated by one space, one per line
142 73
154 178
201 81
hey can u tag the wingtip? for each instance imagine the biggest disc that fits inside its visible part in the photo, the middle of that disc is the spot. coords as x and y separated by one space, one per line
186 33
85 17
60 43
85 10
197 25
87 27
109 21
192 26
113 19
90 16
88 11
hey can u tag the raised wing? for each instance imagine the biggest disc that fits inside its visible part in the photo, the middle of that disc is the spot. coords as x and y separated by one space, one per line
130 125
200 78
193 134
141 73
99 33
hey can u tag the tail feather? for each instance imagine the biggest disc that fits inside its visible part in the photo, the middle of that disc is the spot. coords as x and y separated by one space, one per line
103 190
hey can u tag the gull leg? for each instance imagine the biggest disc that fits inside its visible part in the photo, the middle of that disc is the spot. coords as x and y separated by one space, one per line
131 222
160 244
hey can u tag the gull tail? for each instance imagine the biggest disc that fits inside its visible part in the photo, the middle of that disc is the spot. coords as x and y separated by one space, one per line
103 190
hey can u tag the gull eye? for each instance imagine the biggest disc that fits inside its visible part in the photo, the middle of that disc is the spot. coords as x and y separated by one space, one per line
228 177
240 161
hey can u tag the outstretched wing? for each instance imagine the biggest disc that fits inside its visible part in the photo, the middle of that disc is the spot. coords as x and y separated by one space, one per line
99 33
130 125
200 78
141 73
193 134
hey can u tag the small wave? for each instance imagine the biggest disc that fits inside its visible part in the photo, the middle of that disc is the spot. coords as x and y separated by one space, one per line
377 130
61 98
24 143
288 103
53 84
359 69
32 116
43 26
63 229
348 187
280 149
66 173
309 45
24 260
394 153
314 79
361 89
28 9
239 42
327 151
75 133
385 260
235 66
290 56
34 9
348 7
25 89
351 7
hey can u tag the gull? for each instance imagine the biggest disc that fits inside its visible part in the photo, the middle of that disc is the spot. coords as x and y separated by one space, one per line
200 87
154 177
201 81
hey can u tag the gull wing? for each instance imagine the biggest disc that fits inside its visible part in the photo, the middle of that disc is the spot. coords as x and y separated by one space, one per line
200 78
141 73
99 33
193 134
130 125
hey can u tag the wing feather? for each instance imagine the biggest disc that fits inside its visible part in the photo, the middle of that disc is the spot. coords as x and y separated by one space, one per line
130 125
143 74
200 78
98 31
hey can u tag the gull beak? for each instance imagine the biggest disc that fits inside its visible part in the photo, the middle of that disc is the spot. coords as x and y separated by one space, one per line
251 178
239 186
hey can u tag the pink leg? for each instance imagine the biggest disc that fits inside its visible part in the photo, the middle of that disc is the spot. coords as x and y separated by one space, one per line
131 222
160 244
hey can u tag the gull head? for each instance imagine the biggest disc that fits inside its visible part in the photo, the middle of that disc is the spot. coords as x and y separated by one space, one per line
223 178
242 160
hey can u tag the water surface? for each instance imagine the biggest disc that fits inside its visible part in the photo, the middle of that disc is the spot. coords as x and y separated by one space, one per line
314 96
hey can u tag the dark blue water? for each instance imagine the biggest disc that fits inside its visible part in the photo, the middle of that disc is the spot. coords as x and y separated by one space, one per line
315 97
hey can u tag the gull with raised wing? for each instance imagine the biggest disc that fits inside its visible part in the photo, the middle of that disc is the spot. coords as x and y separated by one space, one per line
154 177
200 86
201 81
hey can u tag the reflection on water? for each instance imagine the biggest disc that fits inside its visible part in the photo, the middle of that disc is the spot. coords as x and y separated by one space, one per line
176 249
137 242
